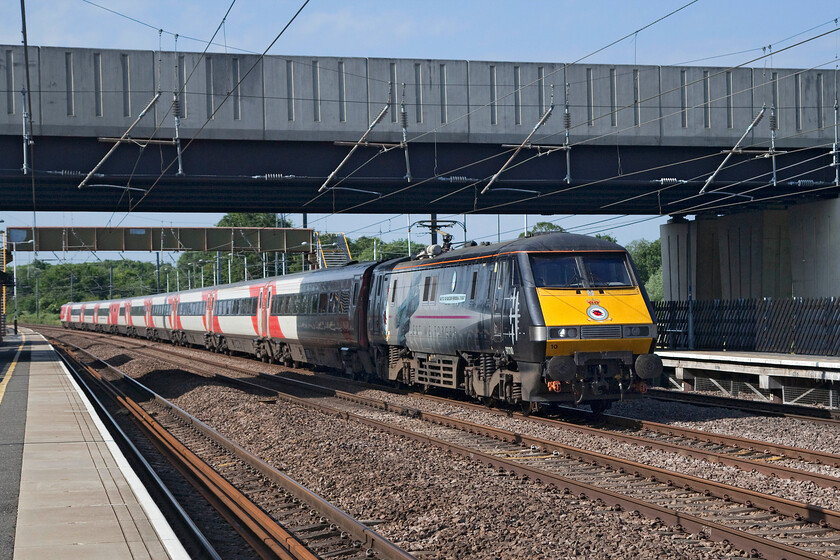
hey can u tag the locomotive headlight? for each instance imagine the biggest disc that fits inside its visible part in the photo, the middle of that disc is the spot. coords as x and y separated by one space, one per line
564 332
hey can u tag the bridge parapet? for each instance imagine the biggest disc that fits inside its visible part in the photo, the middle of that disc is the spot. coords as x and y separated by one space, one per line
99 92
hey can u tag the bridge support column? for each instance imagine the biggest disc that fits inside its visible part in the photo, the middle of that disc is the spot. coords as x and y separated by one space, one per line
690 258
744 255
815 248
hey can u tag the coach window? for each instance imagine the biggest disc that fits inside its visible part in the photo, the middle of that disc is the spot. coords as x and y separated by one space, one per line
323 303
474 283
394 291
427 284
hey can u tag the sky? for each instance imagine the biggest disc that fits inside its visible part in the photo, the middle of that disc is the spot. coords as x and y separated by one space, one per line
526 30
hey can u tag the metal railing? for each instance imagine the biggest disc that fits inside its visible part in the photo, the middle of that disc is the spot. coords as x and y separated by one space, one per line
785 325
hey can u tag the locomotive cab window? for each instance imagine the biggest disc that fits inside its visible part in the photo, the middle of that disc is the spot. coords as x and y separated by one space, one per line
608 271
586 271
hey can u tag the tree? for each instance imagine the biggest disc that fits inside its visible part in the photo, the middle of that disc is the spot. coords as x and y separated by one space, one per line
647 257
606 237
544 227
654 286
362 248
246 219
196 265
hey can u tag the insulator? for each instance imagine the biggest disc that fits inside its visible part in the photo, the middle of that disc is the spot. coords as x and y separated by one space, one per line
455 179
758 118
774 122
70 173
567 120
276 176
803 183
668 181
403 118
176 106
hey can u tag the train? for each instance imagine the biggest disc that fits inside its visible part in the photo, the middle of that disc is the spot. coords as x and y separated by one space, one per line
552 318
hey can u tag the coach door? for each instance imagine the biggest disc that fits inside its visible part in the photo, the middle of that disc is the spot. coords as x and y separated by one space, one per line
262 319
504 305
208 314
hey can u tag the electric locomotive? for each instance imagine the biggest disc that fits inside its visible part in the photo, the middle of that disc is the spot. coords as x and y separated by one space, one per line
552 318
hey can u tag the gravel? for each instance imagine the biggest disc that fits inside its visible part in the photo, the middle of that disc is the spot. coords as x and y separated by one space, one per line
447 507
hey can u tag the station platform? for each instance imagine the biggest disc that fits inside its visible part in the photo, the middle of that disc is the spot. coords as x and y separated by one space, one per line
792 378
66 490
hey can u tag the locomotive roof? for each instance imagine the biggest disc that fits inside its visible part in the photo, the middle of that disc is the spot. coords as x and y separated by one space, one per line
560 241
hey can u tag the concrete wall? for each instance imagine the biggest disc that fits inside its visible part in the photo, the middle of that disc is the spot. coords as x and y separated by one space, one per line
759 254
815 248
99 92
690 257
754 255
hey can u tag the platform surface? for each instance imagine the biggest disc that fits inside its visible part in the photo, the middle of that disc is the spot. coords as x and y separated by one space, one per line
66 491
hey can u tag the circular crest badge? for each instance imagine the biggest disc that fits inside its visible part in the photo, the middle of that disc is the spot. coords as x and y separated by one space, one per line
596 312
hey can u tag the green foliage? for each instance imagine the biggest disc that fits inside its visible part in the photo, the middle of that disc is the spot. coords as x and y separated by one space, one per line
606 237
544 227
654 286
57 284
33 319
245 219
362 248
647 255
196 268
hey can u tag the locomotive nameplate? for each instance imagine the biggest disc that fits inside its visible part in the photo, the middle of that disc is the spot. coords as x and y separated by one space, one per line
452 299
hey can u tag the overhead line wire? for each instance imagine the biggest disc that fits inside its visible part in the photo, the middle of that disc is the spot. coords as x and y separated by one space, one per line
227 96
169 109
415 139
157 28
584 141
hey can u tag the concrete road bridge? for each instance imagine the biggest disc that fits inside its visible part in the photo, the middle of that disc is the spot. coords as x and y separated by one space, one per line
271 134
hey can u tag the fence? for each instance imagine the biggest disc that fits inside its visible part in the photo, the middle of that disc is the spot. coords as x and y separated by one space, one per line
790 326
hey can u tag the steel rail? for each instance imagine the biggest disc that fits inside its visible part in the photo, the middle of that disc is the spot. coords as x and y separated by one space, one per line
749 542
372 540
263 534
743 463
810 455
767 547
800 412
127 444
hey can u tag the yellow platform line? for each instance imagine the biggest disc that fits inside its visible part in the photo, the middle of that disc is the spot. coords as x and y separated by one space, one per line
11 369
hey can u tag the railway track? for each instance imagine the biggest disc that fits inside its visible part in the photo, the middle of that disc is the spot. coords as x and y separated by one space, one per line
778 522
745 454
809 413
278 517
774 527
